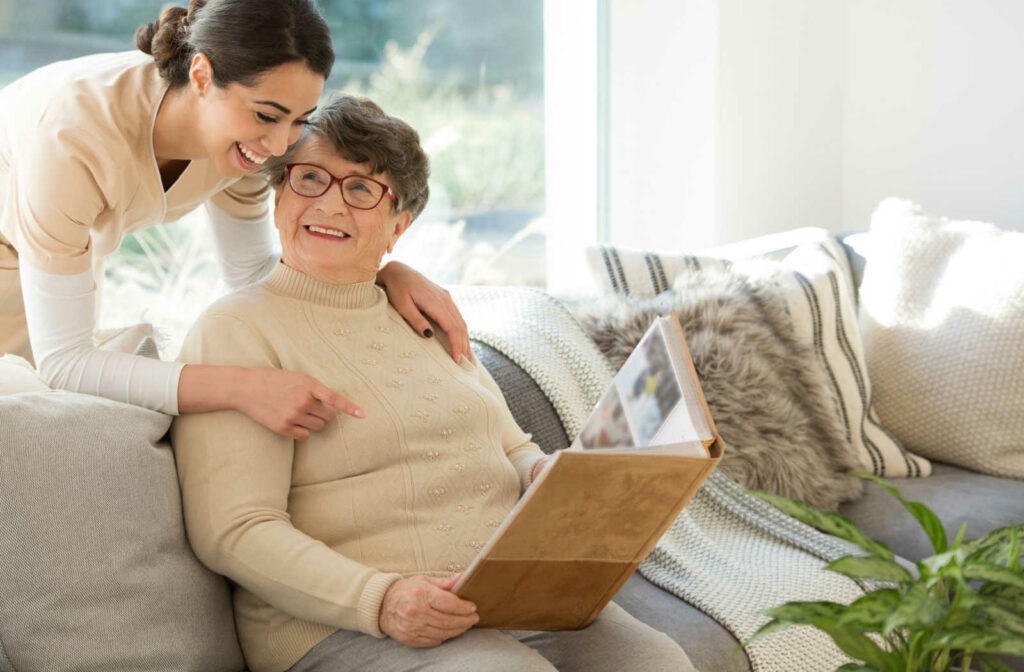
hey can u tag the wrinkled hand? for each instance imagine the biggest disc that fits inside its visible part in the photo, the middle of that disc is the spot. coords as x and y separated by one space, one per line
413 295
422 612
540 465
291 404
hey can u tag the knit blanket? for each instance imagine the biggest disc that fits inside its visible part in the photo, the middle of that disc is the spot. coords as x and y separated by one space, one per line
729 554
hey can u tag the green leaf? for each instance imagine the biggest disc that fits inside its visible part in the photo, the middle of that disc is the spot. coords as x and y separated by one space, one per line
871 611
984 571
859 646
995 546
826 521
929 521
870 567
766 629
857 667
937 563
1004 595
960 536
1013 562
918 608
975 639
824 616
1009 620
806 612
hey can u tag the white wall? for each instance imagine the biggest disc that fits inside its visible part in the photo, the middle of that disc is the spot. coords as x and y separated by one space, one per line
662 122
726 119
935 108
779 135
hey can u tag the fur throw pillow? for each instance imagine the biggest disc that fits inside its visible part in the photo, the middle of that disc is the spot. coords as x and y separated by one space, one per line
768 396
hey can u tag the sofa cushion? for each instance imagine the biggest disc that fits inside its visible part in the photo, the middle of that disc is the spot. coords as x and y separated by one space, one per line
708 644
942 315
955 494
96 573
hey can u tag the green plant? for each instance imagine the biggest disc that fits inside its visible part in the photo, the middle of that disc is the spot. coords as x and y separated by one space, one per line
965 603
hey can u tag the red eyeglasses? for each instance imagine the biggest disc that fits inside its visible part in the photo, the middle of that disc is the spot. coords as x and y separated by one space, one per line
358 191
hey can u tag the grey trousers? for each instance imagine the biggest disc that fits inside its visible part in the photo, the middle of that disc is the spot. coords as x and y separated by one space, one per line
614 642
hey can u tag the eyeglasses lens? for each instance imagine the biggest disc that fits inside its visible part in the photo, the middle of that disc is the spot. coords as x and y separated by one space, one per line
313 181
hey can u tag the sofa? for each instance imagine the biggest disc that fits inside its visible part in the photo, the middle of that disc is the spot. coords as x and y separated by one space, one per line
96 572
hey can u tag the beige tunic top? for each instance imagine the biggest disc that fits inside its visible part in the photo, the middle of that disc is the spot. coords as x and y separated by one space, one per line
77 169
314 532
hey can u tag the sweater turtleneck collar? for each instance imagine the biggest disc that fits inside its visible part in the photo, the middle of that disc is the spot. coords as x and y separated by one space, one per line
286 281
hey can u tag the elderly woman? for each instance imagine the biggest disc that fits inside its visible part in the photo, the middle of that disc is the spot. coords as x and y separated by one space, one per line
345 546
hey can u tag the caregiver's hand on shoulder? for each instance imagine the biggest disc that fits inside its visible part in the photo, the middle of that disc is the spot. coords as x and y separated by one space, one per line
416 298
422 612
292 404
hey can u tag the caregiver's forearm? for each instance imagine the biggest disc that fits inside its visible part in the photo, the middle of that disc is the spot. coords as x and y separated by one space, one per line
211 388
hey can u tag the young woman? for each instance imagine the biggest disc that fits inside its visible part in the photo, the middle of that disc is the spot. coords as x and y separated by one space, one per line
101 146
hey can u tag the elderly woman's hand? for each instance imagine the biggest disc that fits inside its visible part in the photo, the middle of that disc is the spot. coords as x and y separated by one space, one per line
291 404
412 295
422 612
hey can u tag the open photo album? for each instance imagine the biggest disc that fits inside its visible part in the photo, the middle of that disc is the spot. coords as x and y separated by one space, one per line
655 404
600 506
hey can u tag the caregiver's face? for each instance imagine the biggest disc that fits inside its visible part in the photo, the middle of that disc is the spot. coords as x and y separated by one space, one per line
241 126
325 237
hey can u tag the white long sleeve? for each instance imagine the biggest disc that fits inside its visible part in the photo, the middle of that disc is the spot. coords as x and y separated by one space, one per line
246 248
59 310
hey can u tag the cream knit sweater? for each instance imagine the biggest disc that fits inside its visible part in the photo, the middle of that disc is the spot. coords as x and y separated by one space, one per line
314 532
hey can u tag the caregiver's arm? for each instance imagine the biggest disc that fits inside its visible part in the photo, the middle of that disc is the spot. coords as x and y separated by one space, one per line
416 298
243 231
60 309
235 479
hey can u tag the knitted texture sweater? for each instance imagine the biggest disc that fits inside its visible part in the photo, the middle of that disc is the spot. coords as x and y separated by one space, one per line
314 532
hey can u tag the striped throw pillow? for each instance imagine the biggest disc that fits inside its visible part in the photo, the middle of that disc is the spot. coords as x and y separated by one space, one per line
816 283
639 273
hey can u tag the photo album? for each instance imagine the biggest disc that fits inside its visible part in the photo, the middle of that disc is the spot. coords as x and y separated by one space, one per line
599 507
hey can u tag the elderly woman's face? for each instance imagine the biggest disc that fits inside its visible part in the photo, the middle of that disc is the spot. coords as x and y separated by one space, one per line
325 237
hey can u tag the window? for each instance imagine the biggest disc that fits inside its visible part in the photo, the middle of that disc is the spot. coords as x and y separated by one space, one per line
467 74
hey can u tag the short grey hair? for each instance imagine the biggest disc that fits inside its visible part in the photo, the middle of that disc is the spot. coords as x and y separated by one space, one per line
361 132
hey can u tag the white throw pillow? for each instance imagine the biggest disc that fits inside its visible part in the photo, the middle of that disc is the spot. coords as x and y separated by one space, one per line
942 314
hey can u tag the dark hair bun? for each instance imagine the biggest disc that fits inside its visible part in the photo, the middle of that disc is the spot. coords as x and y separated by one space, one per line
241 38
164 39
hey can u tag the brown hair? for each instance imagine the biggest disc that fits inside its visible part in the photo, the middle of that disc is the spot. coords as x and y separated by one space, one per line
361 132
242 38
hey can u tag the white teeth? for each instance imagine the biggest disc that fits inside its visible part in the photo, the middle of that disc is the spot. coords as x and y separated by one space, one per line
249 155
330 232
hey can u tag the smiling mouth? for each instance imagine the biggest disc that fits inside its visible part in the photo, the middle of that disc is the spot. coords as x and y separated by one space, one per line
248 157
323 231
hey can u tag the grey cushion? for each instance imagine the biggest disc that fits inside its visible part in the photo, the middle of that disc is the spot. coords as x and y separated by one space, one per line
96 573
709 645
956 495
